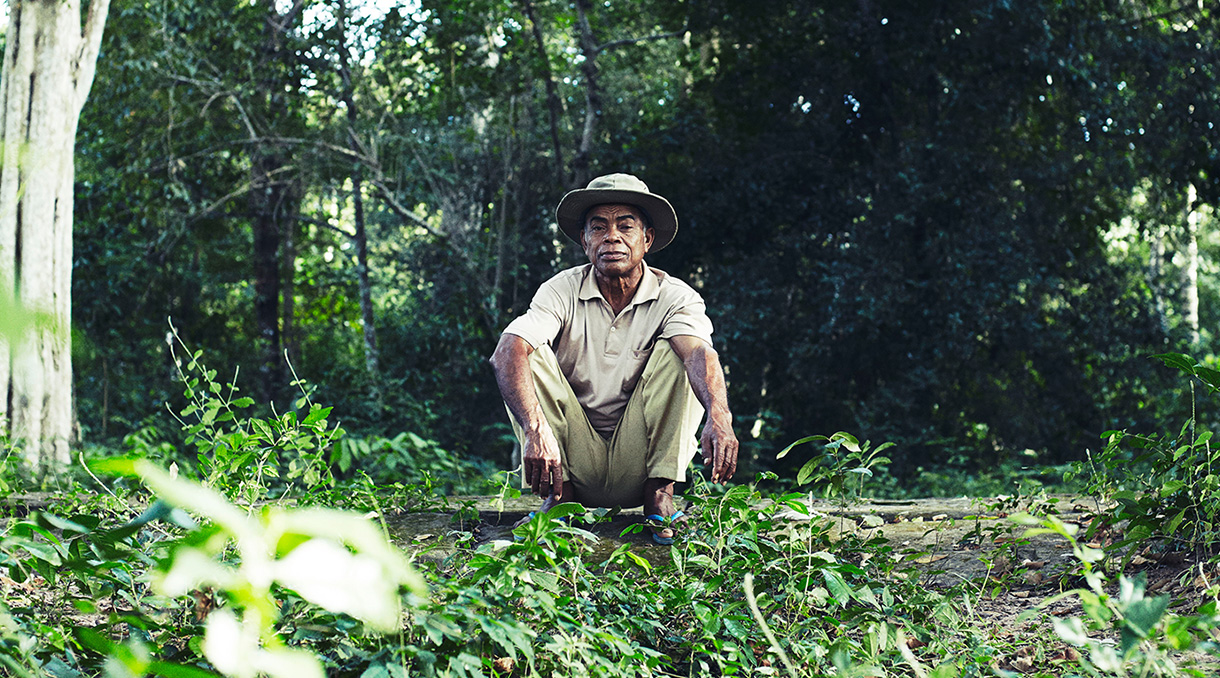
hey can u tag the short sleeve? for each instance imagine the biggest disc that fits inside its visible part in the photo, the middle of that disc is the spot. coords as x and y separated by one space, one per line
543 321
688 318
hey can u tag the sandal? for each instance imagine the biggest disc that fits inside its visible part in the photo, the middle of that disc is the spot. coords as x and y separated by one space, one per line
657 521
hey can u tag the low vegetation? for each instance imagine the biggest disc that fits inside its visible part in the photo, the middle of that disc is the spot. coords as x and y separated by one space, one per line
261 557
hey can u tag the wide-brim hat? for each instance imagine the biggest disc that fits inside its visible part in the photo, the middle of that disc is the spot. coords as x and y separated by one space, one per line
618 189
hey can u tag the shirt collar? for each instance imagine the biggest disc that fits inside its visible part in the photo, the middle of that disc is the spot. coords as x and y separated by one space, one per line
649 289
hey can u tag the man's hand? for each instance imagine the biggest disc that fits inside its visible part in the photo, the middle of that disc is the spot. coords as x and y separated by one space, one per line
543 467
540 450
719 449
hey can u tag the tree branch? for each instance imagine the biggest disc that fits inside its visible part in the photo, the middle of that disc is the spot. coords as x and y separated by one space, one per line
593 97
1184 7
553 103
615 44
91 42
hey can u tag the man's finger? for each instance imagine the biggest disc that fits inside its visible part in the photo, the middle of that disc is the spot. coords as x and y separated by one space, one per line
556 472
534 475
725 462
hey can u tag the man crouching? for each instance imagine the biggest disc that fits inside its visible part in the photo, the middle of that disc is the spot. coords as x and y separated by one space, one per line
608 373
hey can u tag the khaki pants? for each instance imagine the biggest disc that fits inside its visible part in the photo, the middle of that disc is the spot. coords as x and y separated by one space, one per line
656 438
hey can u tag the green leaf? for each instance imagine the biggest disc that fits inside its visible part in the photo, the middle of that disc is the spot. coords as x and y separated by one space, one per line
865 595
639 560
115 466
316 414
172 670
846 440
807 471
1209 376
1071 631
63 524
1142 615
438 627
1171 487
1179 361
566 509
43 552
837 586
784 452
946 670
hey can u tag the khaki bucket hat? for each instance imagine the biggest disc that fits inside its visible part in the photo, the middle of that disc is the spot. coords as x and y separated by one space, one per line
621 189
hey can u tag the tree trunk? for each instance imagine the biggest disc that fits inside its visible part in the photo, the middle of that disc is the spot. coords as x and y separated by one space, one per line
1156 263
553 103
265 198
288 324
593 96
1193 217
274 197
372 356
49 63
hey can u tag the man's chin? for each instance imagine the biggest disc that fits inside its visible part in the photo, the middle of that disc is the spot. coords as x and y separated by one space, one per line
616 268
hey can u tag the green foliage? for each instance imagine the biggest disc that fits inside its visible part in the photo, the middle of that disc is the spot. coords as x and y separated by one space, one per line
1161 487
336 560
410 459
1149 637
245 456
842 467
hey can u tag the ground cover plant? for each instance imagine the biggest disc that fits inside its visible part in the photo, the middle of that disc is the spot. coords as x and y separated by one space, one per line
243 563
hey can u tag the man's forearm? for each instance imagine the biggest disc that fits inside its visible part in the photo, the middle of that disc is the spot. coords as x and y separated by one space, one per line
706 377
511 363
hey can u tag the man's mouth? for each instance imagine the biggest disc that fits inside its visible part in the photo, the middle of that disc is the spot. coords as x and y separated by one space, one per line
614 255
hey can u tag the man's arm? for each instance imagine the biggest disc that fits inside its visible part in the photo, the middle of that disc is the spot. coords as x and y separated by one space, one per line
707 380
540 449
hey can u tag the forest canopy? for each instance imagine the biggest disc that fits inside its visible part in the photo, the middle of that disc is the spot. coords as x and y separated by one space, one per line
963 227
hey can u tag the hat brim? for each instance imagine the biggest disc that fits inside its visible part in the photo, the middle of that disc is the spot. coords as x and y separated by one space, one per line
572 208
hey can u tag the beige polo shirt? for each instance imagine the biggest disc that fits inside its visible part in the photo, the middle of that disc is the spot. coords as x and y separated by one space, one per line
602 355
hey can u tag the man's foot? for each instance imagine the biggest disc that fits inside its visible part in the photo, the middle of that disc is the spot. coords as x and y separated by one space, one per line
660 511
566 494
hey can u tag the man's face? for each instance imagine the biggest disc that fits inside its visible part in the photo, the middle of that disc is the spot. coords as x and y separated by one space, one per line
615 239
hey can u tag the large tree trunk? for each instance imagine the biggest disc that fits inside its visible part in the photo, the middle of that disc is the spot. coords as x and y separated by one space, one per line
275 196
49 62
271 204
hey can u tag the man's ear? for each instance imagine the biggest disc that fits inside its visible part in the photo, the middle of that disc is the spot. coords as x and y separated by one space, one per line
650 235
